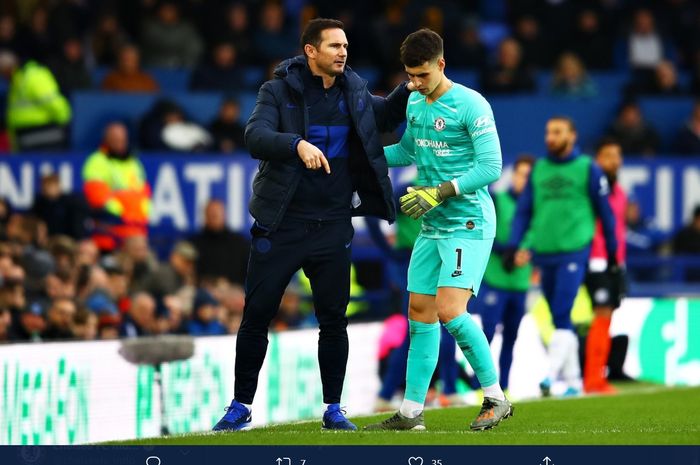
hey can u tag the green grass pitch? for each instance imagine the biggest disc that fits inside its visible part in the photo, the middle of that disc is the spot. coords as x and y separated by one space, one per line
640 415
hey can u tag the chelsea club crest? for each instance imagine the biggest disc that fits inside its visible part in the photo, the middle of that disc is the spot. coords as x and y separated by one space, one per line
439 124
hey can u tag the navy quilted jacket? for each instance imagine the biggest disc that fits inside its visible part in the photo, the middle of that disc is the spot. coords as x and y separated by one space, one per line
280 117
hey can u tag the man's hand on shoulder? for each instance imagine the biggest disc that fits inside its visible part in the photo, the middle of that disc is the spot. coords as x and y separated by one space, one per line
312 157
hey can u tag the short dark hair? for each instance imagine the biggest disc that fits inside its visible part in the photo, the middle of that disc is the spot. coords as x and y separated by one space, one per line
421 46
566 119
525 159
605 141
314 28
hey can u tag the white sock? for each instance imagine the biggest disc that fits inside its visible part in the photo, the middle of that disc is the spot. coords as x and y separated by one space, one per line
248 406
494 391
410 409
572 365
558 352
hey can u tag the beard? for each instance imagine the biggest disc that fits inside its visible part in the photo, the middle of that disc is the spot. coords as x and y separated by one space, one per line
558 150
120 155
612 178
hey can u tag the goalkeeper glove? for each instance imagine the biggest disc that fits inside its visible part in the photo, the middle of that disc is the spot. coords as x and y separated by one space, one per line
420 199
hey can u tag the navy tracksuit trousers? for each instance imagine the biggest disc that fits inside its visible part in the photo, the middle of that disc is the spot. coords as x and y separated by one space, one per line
322 249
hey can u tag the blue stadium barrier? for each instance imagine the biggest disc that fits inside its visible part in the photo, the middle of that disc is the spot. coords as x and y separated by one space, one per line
521 120
371 74
466 77
169 80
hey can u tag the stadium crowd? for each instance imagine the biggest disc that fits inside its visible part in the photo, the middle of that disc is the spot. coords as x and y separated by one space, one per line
57 283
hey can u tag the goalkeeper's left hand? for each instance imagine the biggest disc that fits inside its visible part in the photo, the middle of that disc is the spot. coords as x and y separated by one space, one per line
420 199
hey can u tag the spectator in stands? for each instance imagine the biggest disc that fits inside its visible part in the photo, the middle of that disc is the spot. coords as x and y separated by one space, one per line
37 113
168 41
85 324
206 311
178 272
221 252
220 73
108 326
468 51
138 261
55 286
59 320
69 67
117 283
5 318
687 242
63 213
29 236
388 32
236 30
128 76
272 40
27 322
63 251
663 82
166 127
536 50
507 75
227 129
5 213
93 291
87 254
59 286
140 320
8 33
6 260
643 237
635 135
107 39
688 139
646 47
570 78
116 188
232 298
35 38
591 42
289 315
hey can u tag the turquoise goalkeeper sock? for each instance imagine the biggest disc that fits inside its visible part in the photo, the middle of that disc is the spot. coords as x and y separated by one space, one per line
471 339
422 359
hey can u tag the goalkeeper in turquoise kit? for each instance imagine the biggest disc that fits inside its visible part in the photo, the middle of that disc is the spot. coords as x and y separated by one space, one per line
451 137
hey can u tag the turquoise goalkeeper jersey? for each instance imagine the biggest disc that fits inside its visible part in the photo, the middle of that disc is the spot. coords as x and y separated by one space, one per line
453 138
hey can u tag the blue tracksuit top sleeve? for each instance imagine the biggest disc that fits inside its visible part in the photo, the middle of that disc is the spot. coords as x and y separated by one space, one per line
523 216
599 190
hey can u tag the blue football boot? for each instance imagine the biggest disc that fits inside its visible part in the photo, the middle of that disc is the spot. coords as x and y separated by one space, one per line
237 418
334 419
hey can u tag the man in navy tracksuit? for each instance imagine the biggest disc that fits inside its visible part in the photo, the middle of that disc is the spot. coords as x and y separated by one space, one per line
316 131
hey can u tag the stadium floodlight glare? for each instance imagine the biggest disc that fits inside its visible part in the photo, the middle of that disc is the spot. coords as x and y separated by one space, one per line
155 351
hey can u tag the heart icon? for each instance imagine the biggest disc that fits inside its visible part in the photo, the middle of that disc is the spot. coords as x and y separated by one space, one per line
415 461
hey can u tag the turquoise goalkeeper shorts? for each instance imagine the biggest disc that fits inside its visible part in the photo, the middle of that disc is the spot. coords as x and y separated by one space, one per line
449 262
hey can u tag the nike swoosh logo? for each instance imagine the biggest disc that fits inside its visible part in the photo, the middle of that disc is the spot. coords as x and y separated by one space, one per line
456 273
347 246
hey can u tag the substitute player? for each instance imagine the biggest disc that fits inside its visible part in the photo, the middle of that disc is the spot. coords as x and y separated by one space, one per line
503 294
451 137
559 205
605 288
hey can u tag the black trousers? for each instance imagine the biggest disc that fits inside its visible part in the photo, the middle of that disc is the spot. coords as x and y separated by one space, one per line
322 250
